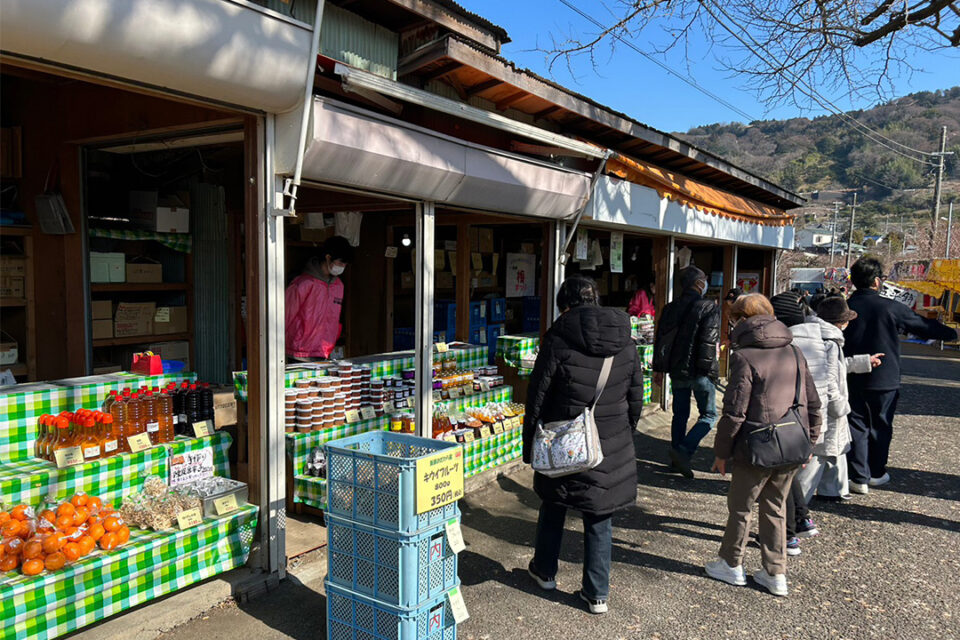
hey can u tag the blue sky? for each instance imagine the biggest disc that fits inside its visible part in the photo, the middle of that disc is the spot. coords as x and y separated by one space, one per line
632 84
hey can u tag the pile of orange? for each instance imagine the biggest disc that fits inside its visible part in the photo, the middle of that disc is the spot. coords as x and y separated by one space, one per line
56 537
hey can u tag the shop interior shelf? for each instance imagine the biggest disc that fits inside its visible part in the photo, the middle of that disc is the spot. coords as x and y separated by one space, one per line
151 565
17 369
13 302
124 287
114 342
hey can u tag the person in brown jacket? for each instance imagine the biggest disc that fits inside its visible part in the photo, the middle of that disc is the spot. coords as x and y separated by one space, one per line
760 389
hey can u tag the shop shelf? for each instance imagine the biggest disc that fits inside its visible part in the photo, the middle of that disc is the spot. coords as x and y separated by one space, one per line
351 616
116 342
13 302
128 287
403 571
371 479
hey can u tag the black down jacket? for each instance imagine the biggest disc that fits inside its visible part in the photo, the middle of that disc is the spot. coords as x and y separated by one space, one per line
685 344
564 381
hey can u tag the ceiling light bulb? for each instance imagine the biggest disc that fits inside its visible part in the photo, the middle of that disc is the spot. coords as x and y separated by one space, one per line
406 240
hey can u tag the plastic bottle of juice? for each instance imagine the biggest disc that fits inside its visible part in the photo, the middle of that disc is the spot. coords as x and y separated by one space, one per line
41 436
165 414
64 439
134 424
51 437
90 443
109 436
119 412
191 405
109 400
151 421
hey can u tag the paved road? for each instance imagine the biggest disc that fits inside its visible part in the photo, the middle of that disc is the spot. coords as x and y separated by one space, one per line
886 565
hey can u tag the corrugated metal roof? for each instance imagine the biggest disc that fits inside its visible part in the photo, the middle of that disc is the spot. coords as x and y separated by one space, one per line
478 20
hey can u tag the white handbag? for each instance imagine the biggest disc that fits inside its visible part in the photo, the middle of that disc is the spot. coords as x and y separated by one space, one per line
566 447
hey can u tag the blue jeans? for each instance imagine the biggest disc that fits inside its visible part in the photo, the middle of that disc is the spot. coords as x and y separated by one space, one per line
705 393
597 547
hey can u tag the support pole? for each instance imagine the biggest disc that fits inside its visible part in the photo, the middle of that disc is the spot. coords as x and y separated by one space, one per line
833 233
938 186
949 230
426 218
853 214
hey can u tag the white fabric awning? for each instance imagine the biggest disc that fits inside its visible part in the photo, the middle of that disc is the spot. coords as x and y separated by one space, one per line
354 147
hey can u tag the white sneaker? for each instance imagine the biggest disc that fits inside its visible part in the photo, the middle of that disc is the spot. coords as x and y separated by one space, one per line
720 570
862 489
595 606
879 482
777 585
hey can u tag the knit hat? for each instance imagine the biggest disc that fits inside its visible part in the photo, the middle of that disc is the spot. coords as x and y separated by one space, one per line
834 309
733 294
787 309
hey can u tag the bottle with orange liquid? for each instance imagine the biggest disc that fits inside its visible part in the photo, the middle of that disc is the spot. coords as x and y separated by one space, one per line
90 439
43 434
109 400
118 409
134 424
151 421
165 415
109 436
64 437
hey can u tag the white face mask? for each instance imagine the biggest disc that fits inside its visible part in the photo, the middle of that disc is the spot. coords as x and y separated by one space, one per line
336 270
703 289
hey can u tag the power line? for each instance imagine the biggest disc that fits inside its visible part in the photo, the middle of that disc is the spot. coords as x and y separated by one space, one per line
810 92
690 81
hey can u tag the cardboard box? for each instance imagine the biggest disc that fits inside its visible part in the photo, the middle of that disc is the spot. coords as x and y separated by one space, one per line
486 240
13 266
107 267
11 287
164 215
101 310
102 328
170 320
172 220
134 319
224 407
144 272
315 235
179 350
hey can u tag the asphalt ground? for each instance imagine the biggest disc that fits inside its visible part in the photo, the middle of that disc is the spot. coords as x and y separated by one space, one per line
885 565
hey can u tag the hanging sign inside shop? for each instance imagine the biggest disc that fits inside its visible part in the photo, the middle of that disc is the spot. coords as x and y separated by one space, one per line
391 252
186 468
68 456
453 259
521 275
749 282
450 245
439 259
616 252
477 260
583 245
439 479
901 295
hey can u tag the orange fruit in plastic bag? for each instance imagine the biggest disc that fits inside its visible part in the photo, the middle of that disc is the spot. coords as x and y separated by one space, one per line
32 567
94 504
80 516
123 535
111 523
108 541
9 563
10 528
55 561
72 551
65 521
96 531
66 509
14 546
19 512
4 516
87 544
49 516
53 542
79 499
32 548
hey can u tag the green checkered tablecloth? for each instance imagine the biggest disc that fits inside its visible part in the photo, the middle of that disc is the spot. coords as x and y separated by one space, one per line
513 349
22 405
151 565
182 242
468 357
310 491
492 451
219 440
645 351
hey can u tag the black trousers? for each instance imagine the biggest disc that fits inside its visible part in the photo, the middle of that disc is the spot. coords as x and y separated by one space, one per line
797 510
871 427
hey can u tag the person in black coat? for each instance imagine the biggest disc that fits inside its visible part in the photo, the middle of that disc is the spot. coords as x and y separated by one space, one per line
685 346
873 396
563 383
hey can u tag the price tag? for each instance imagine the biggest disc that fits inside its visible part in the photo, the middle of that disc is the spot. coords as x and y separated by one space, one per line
391 252
225 505
468 390
388 407
455 537
454 392
484 386
139 442
485 432
353 416
189 518
442 347
517 423
468 437
449 437
368 413
203 428
457 605
437 395
498 427
68 457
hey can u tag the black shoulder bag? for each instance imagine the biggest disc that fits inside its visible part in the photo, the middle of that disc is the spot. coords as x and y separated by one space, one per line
784 443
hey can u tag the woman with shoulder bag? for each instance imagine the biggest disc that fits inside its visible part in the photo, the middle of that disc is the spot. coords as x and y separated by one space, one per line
564 386
771 417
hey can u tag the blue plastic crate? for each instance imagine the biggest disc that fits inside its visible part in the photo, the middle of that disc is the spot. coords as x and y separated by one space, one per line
403 338
444 315
351 616
496 310
371 479
478 314
403 571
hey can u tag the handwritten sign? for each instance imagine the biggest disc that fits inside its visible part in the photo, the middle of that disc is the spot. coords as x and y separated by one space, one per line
435 622
202 428
189 518
139 442
226 504
439 479
468 437
498 427
521 275
442 347
455 536
454 392
901 295
436 548
368 413
353 416
477 260
68 457
187 468
457 606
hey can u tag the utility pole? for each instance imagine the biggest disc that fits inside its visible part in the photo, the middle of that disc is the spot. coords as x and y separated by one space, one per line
939 183
833 233
949 229
903 236
853 214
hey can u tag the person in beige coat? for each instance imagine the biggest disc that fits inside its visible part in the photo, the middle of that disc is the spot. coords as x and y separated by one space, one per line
760 389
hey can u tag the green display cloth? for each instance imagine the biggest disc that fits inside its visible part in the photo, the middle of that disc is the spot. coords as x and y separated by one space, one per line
490 452
513 349
310 491
645 351
468 357
152 564
182 242
22 405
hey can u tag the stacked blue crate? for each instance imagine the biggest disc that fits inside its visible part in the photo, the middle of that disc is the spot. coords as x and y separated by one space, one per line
531 314
391 572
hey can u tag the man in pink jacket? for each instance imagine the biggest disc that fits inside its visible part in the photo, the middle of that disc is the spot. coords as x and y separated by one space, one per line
313 302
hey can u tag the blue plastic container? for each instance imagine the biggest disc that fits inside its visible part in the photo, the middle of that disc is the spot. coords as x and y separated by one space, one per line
403 571
351 616
371 479
496 310
403 338
478 314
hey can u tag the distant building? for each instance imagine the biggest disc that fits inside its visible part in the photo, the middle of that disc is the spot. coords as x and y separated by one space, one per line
814 238
836 195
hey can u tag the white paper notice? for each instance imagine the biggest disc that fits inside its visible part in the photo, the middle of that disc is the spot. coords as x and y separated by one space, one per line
191 466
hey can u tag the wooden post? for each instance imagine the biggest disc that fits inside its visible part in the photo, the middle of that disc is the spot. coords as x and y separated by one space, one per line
254 268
